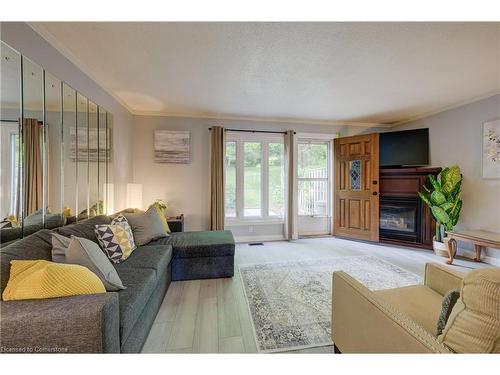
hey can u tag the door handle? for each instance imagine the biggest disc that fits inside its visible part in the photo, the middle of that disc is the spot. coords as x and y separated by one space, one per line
374 193
375 182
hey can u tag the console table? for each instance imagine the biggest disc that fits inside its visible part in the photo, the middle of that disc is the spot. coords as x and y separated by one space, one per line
479 238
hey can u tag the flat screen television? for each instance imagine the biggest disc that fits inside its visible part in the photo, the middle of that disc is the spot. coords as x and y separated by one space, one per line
404 148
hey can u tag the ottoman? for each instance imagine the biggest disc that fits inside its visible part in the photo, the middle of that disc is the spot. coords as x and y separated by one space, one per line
202 255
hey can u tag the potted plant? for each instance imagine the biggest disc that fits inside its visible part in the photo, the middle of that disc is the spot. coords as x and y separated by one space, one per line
444 201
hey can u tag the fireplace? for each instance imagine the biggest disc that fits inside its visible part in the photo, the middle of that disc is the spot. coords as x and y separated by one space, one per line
404 219
400 219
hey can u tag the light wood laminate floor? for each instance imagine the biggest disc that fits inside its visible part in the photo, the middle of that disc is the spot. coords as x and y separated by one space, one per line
211 316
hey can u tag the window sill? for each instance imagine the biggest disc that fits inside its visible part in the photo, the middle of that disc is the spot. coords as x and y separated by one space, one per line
256 221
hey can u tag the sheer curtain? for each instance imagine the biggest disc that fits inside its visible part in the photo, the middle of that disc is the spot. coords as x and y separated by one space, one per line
217 178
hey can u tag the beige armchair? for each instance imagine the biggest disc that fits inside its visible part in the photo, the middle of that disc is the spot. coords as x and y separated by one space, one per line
401 320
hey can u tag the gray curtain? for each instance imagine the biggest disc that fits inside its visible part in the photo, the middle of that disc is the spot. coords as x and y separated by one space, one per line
289 208
217 178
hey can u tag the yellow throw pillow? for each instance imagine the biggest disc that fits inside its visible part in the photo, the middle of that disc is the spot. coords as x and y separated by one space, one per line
162 216
474 322
37 279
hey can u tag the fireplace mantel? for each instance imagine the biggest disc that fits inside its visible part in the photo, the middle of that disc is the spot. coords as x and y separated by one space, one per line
405 183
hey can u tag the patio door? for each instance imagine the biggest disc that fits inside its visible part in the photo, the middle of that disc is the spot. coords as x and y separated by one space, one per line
356 187
314 187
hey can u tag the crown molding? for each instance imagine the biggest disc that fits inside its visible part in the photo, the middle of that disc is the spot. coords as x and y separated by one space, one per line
281 120
444 109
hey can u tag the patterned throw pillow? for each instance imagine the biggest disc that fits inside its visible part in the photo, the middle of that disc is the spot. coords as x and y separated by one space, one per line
122 220
449 300
116 241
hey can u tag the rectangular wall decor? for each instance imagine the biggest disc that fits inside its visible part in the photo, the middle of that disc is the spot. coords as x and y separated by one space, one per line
92 137
172 146
491 149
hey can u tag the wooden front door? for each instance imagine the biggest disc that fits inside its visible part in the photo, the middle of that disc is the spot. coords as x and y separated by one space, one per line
356 187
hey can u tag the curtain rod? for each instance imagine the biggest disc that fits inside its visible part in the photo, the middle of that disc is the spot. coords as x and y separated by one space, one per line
253 131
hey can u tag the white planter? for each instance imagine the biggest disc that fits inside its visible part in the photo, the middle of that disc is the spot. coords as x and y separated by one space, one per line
440 248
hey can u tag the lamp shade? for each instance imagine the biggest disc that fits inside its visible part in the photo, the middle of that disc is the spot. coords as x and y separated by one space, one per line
109 198
134 196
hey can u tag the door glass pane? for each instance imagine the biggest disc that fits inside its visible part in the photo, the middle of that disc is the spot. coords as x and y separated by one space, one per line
230 193
313 197
276 179
252 178
312 160
355 174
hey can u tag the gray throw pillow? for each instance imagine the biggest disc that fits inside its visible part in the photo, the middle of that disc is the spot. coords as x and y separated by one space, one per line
449 300
146 227
34 218
88 254
59 246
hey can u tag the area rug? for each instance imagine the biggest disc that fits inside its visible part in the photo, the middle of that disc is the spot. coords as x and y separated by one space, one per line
290 302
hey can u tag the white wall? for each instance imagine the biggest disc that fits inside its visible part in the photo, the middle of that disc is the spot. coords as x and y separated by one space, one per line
22 38
185 186
456 138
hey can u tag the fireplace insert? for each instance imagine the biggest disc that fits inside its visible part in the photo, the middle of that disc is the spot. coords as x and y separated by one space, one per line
400 218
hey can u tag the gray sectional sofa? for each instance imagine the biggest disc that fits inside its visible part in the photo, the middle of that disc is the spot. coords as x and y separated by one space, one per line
114 321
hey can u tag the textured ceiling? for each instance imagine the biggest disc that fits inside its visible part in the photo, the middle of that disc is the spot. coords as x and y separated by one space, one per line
360 72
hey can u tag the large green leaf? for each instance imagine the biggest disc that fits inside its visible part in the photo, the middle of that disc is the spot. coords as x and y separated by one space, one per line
425 199
447 206
455 212
450 178
434 182
439 214
437 198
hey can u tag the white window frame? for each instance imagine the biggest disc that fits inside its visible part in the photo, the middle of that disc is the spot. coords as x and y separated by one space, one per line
319 141
264 138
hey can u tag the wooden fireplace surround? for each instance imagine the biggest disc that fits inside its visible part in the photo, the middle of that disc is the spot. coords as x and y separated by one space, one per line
406 182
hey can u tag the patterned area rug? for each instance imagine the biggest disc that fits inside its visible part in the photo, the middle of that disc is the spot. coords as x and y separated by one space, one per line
290 303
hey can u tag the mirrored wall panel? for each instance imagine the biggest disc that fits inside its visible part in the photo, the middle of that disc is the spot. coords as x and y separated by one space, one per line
109 206
95 207
10 107
79 148
69 164
102 159
55 151
32 145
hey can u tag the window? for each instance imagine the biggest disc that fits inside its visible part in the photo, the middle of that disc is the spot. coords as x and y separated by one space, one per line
254 187
276 179
252 181
313 186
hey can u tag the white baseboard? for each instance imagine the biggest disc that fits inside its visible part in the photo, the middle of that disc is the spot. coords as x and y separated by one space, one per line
484 258
262 238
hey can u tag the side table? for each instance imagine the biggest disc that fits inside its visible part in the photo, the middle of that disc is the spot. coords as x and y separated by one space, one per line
176 223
